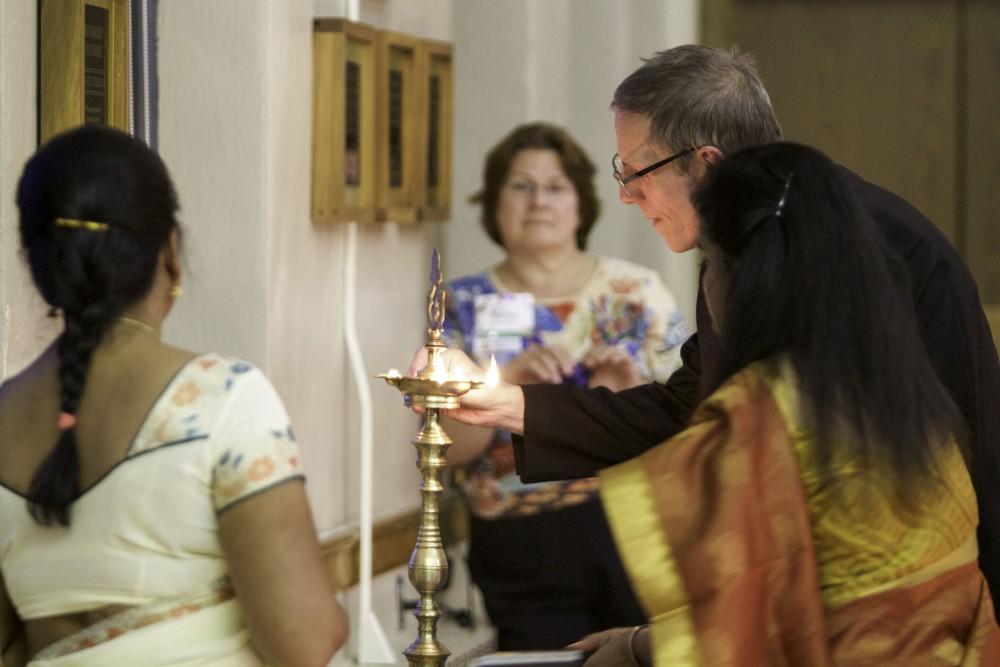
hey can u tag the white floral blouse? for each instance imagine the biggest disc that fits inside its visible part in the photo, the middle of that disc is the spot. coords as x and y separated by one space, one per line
622 304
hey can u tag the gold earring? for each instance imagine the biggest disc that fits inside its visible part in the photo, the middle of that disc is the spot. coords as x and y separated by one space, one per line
176 291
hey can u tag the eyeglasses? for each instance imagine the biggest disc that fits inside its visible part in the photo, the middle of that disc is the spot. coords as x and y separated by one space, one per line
617 169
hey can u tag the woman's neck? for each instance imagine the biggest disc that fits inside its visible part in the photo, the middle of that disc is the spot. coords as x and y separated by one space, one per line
150 312
137 328
547 275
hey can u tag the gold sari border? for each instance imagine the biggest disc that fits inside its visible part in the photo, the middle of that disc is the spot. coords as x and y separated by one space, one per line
631 509
784 389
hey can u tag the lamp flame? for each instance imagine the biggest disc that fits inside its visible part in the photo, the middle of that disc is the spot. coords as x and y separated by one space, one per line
393 373
493 374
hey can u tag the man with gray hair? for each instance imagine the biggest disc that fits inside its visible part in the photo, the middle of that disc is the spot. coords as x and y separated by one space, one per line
676 116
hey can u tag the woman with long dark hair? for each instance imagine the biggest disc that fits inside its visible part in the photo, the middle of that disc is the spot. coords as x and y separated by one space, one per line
818 509
794 272
828 515
151 501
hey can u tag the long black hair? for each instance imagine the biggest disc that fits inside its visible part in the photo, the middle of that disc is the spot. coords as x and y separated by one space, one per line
807 277
90 274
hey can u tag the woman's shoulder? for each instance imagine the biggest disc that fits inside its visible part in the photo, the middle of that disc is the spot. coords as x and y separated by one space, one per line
766 382
221 369
209 381
635 281
622 270
204 395
462 291
31 388
43 366
473 282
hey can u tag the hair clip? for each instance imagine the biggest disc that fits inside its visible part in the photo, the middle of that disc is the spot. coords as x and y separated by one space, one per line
784 195
90 225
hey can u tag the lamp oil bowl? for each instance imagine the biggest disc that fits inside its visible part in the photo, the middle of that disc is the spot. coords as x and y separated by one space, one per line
433 389
430 393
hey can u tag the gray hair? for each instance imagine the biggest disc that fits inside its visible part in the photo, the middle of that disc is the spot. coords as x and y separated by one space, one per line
700 96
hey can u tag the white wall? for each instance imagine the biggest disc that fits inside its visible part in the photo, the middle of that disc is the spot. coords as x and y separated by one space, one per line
212 136
24 328
558 61
265 283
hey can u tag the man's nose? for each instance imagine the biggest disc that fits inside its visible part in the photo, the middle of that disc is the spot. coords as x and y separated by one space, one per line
628 195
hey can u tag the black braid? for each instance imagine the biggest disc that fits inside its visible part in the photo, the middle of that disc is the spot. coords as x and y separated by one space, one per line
90 275
56 483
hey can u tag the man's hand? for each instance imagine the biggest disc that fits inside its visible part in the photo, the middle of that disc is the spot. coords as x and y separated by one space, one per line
501 406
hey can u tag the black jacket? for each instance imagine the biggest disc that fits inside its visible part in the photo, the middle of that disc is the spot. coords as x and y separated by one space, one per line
570 432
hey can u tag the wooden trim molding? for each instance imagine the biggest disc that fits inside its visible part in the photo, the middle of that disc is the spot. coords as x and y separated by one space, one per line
393 540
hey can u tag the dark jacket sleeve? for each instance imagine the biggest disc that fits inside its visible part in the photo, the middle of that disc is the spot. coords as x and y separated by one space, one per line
571 432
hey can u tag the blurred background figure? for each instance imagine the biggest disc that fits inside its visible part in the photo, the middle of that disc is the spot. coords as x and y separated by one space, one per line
550 313
152 508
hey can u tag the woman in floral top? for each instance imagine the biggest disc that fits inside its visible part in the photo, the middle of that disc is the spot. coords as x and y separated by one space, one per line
550 313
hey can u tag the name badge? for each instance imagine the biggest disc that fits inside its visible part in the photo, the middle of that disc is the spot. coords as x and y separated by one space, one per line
510 313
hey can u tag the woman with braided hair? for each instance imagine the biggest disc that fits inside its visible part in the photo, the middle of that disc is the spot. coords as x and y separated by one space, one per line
152 509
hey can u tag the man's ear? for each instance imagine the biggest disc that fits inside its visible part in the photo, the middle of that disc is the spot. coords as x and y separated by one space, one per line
710 155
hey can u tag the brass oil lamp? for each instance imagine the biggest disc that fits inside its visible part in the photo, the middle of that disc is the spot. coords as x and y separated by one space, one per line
432 388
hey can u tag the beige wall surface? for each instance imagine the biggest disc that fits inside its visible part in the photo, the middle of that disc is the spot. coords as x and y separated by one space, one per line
558 61
265 283
872 84
904 92
212 58
981 129
24 328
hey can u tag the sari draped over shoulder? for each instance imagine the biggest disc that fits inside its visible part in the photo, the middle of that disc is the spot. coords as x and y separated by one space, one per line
743 554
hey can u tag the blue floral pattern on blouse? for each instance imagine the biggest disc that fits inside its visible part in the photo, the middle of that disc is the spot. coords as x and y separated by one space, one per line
622 305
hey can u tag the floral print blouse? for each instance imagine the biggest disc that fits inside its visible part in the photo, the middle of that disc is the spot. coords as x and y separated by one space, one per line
147 530
622 304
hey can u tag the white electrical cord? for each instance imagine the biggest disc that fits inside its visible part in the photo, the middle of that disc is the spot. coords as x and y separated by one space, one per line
373 647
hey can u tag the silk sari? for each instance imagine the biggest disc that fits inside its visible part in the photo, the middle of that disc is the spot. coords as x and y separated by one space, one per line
743 554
